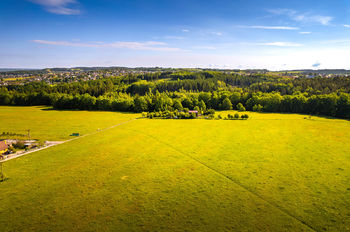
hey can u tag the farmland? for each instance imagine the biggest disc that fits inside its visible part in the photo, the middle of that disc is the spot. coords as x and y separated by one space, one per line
47 124
273 172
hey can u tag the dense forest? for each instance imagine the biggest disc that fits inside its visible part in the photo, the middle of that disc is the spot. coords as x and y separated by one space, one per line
176 90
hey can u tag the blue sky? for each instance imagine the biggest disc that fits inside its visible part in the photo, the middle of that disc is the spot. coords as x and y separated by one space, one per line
242 34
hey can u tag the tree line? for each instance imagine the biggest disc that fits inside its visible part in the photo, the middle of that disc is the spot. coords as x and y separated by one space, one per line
178 90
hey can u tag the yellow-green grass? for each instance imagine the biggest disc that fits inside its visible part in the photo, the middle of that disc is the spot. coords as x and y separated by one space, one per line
47 124
272 172
299 165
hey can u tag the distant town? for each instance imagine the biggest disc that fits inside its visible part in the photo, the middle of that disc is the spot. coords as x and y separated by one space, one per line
68 75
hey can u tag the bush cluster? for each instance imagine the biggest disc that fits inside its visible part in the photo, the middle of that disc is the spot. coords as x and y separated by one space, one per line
236 116
167 114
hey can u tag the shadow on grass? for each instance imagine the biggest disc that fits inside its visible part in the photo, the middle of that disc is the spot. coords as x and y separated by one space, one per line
5 179
306 116
50 108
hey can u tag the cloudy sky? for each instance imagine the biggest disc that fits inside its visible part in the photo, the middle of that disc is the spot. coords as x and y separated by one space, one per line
271 34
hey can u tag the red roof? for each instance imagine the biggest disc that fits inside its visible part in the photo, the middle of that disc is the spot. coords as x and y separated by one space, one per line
3 145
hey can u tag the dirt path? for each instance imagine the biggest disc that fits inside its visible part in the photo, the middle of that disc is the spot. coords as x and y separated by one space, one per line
55 143
10 157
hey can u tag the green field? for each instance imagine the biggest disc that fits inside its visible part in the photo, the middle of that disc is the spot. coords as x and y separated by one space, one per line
47 124
273 172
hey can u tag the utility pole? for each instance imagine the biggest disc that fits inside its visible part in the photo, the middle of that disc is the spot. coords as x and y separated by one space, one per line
1 171
28 134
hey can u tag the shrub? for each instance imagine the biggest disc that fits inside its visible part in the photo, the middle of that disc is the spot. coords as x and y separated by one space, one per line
209 112
245 116
19 145
211 116
240 107
11 149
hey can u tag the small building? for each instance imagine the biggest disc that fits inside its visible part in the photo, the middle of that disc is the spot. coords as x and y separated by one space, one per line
11 141
194 112
75 134
3 147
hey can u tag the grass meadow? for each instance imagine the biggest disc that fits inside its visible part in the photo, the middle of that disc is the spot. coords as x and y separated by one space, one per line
47 124
272 172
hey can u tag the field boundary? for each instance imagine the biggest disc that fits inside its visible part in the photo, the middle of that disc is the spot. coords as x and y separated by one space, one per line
280 208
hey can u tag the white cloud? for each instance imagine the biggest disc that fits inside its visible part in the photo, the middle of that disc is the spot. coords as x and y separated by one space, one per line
173 37
185 30
280 60
316 65
96 42
324 20
302 17
305 32
345 25
271 27
205 47
211 33
337 41
273 59
288 12
149 45
281 44
63 7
